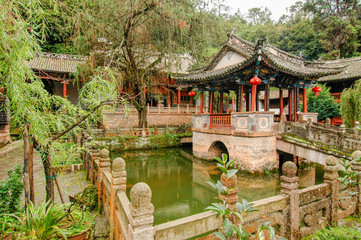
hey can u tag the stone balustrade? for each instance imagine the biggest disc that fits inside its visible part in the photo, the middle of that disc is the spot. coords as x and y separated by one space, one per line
348 139
295 213
240 122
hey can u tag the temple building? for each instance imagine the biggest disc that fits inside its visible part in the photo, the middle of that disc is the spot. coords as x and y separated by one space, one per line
57 71
248 134
239 61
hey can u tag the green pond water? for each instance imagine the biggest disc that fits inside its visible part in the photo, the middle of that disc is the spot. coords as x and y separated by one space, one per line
179 185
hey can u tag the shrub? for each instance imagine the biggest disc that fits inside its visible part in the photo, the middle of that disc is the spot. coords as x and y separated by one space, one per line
39 222
10 191
335 233
88 199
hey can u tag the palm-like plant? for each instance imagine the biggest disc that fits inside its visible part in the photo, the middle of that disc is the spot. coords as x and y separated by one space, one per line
233 216
40 223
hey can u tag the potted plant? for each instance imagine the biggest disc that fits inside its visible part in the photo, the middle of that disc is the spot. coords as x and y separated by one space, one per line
78 225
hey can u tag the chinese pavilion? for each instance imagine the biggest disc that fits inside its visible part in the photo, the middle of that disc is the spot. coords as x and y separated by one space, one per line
248 68
247 134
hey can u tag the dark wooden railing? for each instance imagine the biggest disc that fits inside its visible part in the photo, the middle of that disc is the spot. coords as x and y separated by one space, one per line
220 120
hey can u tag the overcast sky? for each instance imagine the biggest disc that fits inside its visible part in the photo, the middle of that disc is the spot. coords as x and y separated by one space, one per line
277 7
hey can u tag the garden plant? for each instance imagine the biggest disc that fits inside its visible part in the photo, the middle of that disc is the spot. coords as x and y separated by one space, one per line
233 216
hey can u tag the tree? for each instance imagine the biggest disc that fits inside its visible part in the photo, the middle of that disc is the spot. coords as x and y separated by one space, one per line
257 16
323 104
351 104
40 116
140 40
337 22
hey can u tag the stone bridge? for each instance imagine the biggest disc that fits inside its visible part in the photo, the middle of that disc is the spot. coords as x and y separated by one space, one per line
248 137
253 140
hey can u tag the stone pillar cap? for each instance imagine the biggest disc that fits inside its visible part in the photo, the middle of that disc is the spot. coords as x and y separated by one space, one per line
140 195
331 161
356 155
118 165
104 153
289 169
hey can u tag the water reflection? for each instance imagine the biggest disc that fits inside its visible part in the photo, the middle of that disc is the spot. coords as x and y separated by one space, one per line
179 185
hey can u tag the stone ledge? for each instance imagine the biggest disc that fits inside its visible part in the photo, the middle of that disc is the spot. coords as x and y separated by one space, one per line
236 133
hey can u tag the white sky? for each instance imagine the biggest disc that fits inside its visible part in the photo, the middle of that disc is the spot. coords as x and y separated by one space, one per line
277 7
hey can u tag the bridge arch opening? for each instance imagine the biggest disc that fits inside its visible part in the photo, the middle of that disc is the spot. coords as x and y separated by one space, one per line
217 149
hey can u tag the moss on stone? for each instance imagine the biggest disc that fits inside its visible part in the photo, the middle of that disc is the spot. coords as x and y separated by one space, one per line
322 146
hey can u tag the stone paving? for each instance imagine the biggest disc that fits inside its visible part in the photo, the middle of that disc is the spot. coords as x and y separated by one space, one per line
70 183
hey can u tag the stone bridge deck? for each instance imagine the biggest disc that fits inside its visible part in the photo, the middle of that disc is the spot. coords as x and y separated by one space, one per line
315 141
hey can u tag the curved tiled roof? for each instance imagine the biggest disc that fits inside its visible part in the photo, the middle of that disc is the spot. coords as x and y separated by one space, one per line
296 66
351 69
273 57
53 62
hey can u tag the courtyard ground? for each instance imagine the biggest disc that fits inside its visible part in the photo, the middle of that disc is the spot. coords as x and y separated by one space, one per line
70 183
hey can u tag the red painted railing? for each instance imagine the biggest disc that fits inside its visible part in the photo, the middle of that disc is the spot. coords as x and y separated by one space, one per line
220 120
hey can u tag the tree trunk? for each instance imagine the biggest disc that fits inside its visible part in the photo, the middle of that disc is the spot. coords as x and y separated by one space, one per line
49 178
26 167
31 172
142 118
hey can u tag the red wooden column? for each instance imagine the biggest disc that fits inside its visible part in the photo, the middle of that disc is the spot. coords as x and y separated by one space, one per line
281 102
241 99
290 105
221 103
305 100
64 89
257 102
179 97
211 103
253 96
201 106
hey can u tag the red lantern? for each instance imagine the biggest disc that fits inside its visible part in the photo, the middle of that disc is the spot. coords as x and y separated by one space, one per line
316 90
255 81
192 93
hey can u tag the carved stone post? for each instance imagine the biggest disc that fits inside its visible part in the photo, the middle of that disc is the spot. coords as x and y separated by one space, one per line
118 182
232 194
104 164
331 175
141 211
289 186
328 123
356 128
342 132
95 153
85 138
308 128
356 167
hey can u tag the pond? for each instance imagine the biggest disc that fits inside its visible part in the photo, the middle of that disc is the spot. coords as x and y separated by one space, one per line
179 185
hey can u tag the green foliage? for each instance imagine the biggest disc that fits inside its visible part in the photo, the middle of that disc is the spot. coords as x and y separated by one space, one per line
39 223
335 233
233 216
349 178
66 154
351 104
88 199
324 104
77 221
10 191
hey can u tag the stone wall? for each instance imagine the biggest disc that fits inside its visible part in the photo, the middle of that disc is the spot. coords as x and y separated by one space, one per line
114 120
295 213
